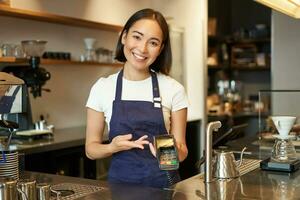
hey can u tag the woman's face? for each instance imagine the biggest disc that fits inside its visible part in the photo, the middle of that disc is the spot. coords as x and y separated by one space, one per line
142 44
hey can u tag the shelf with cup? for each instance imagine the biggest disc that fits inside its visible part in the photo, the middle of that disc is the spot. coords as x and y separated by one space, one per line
73 62
238 67
56 19
249 40
217 67
22 61
251 67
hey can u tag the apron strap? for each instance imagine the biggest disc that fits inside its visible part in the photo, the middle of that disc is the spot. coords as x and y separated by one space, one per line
155 88
119 86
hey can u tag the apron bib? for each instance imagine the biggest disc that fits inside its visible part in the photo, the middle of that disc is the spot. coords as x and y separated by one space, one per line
138 166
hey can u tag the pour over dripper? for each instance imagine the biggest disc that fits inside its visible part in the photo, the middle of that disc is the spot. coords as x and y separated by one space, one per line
283 125
90 53
283 149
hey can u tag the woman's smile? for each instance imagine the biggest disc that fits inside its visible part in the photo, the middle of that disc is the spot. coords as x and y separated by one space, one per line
139 56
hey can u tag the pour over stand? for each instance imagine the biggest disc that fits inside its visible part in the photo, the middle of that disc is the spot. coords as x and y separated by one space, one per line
280 166
269 164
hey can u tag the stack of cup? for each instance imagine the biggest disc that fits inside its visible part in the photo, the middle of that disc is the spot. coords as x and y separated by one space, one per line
9 164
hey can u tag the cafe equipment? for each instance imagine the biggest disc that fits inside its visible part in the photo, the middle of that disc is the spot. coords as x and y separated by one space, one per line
10 102
283 149
43 191
166 152
28 187
9 164
225 164
222 164
283 156
212 126
35 78
8 189
90 53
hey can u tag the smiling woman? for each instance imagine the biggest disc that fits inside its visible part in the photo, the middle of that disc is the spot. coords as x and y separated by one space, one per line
139 102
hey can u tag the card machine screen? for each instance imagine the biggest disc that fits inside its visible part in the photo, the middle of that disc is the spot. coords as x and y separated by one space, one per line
166 152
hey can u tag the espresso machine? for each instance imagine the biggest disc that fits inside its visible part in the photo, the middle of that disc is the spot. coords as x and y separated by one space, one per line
10 103
34 78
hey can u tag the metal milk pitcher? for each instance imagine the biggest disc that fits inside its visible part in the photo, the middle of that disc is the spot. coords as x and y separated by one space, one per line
225 165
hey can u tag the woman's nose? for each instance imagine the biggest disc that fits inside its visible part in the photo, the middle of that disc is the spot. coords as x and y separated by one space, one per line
143 47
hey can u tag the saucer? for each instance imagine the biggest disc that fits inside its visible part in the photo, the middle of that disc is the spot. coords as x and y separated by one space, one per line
284 137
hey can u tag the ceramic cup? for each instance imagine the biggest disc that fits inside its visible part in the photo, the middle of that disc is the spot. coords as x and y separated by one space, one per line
284 124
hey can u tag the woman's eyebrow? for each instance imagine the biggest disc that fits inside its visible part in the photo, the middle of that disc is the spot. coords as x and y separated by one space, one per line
153 38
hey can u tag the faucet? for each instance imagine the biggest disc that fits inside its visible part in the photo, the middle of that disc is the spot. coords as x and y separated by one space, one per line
212 126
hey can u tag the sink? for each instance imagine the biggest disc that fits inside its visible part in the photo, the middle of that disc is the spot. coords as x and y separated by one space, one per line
69 191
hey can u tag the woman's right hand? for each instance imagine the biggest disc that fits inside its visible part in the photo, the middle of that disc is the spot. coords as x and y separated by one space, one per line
124 142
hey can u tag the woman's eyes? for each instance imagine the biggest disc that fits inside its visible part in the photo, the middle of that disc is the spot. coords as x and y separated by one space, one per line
137 37
152 43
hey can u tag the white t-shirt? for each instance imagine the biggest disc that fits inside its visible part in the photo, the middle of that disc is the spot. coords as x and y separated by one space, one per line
172 94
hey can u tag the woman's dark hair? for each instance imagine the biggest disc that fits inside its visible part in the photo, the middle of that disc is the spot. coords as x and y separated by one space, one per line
164 60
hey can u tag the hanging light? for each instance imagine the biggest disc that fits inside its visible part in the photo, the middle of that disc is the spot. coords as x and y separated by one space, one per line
288 7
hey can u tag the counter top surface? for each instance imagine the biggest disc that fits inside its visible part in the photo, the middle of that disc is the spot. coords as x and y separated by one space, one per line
62 138
256 184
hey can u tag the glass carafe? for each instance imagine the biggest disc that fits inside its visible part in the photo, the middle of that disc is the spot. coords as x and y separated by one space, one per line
283 150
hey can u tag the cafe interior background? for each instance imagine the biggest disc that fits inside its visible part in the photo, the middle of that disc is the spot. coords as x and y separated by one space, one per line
225 52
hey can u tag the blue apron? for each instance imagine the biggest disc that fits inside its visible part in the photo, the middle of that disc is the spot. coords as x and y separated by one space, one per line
138 166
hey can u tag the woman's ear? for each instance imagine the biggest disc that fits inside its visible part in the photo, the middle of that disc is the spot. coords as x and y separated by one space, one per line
124 37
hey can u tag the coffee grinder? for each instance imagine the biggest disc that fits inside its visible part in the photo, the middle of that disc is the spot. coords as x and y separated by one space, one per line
34 76
284 157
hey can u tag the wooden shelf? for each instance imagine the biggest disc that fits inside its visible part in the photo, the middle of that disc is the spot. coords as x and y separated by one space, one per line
240 115
56 19
220 39
251 68
241 68
72 62
23 61
250 40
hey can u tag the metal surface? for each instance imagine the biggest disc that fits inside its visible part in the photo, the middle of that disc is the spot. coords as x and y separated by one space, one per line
75 190
28 186
59 141
43 191
252 184
208 149
225 165
8 189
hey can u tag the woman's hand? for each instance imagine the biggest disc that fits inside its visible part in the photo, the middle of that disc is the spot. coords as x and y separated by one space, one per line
152 149
124 142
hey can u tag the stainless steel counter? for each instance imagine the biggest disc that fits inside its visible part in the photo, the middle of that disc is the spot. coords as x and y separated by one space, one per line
108 191
62 138
253 185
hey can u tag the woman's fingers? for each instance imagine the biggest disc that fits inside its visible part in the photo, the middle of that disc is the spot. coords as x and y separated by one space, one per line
142 140
124 142
152 149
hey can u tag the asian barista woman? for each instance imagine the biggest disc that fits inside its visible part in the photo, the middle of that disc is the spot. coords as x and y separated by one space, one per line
137 103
